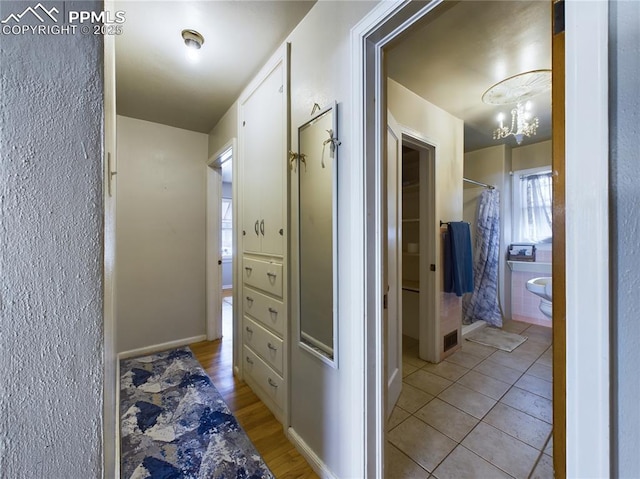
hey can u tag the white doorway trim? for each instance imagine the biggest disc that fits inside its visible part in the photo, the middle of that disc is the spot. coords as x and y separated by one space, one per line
587 216
588 356
214 270
111 382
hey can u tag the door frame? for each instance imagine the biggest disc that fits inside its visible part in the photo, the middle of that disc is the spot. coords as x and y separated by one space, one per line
428 329
587 357
214 271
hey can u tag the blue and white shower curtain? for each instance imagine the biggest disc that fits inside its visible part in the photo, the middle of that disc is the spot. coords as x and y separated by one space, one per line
483 302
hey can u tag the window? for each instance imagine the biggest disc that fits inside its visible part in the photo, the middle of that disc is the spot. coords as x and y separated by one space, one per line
532 205
226 242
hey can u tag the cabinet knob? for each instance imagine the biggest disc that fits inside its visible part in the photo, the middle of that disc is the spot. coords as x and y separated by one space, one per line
271 383
250 299
271 275
249 360
249 330
273 311
271 347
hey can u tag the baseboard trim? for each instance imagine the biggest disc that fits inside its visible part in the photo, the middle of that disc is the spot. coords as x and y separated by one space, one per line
161 347
118 415
314 461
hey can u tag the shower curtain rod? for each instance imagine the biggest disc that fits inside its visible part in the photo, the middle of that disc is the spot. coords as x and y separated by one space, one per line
491 187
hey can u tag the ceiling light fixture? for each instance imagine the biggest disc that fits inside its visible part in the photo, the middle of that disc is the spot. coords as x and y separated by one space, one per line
193 40
518 89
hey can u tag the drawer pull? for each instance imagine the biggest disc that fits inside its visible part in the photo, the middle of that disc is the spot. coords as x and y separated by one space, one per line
248 269
273 311
271 383
271 347
250 299
249 330
271 275
249 360
262 227
255 227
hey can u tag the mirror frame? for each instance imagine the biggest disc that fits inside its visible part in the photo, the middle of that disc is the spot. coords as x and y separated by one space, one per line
330 358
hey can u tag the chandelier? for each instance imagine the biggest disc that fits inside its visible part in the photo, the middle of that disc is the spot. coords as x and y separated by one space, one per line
518 89
522 124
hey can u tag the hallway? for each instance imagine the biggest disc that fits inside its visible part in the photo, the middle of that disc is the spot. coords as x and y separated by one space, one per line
261 426
480 413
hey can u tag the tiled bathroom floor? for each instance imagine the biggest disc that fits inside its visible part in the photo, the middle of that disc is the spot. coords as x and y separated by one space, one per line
481 413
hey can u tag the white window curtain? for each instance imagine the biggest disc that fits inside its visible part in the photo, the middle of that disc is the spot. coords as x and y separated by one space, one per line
535 203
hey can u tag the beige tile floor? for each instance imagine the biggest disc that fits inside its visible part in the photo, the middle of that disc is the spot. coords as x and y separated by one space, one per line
481 413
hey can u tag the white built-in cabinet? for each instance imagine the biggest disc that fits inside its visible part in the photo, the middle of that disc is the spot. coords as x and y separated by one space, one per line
263 146
263 159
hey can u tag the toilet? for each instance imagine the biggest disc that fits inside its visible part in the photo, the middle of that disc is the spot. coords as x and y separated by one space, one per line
542 287
545 307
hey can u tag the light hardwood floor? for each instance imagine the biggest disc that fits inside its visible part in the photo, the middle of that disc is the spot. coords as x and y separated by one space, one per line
261 426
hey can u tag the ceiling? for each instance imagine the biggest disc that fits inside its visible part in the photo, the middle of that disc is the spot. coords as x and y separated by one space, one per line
450 58
456 53
156 81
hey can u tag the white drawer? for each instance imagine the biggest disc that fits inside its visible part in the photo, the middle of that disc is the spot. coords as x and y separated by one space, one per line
264 377
266 344
268 311
264 275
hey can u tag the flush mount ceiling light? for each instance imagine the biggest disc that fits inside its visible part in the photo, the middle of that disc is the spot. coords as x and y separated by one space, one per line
192 39
518 89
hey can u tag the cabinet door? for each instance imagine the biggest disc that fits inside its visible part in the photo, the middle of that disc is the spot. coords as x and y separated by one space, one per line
252 130
273 163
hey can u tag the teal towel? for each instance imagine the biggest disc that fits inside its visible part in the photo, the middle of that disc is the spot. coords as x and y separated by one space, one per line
458 259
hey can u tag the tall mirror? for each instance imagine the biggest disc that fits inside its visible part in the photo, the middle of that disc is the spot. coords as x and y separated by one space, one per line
318 194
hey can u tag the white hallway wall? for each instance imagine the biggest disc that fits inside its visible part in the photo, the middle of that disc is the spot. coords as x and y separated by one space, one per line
160 227
326 406
320 58
625 233
51 336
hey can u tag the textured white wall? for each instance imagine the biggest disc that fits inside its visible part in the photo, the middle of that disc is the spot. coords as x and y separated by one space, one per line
51 345
160 234
625 233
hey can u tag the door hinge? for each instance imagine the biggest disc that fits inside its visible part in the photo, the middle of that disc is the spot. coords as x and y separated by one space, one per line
432 267
384 302
558 17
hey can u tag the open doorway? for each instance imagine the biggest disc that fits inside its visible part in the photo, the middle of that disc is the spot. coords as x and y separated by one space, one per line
454 412
226 244
221 238
411 304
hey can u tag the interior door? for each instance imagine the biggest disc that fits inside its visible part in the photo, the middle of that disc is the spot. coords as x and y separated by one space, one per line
393 264
273 151
251 138
559 251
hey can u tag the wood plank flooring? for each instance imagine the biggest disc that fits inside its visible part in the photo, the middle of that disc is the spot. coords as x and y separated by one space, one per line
261 426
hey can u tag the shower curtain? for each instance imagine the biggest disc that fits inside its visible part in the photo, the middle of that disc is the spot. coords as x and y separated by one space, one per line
483 302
